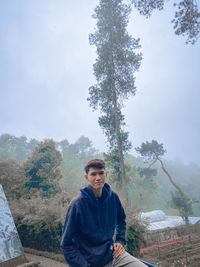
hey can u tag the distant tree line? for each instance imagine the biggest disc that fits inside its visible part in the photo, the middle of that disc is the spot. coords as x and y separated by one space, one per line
20 148
16 147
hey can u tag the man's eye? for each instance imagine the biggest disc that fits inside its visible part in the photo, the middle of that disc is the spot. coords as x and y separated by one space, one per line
95 173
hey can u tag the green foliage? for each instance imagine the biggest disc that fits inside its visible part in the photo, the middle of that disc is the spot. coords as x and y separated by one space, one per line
186 20
113 69
132 240
136 229
182 202
147 7
42 168
151 151
41 236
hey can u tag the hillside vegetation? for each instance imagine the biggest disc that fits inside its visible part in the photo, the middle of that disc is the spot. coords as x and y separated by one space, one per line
40 181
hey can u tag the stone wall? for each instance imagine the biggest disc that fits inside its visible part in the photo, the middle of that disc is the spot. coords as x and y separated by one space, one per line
159 236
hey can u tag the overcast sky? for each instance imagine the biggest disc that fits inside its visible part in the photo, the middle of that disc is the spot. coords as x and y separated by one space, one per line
46 70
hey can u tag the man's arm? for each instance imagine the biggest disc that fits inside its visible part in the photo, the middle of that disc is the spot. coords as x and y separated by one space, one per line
71 253
121 224
120 231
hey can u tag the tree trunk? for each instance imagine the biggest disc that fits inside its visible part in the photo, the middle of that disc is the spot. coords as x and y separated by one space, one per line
120 151
117 129
169 176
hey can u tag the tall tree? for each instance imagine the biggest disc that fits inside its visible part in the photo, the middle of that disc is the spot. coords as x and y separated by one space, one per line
114 69
153 152
186 19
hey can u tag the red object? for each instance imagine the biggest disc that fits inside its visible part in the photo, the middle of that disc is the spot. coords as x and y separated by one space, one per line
168 243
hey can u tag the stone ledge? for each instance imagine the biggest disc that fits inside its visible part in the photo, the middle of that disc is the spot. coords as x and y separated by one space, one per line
30 264
46 254
17 261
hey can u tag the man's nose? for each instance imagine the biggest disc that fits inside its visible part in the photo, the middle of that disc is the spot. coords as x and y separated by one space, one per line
98 176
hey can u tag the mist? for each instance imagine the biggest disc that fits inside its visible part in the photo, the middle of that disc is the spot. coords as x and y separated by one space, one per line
46 70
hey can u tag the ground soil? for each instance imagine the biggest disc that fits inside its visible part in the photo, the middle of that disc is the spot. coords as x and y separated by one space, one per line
44 262
184 252
175 253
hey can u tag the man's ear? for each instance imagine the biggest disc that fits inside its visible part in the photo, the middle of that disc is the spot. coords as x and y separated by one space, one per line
86 177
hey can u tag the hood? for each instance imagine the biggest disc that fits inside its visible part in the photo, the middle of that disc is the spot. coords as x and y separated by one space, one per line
87 192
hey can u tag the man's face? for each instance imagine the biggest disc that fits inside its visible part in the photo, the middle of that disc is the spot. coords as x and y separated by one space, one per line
96 178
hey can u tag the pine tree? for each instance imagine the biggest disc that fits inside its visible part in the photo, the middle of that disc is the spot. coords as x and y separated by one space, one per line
43 168
153 152
186 21
114 69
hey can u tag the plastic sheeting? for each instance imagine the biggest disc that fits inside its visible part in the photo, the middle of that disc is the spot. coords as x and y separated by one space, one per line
10 244
154 215
159 220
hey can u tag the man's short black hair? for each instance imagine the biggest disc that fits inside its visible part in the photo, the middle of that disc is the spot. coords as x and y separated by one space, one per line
95 163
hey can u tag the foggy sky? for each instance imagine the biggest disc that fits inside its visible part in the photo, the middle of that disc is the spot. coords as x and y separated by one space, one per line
46 70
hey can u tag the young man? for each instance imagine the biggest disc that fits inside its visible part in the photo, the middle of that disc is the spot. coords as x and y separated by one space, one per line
91 220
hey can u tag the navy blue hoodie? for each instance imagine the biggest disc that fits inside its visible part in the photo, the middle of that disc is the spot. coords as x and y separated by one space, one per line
87 238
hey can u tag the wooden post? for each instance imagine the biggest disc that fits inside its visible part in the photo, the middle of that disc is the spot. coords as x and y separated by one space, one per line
159 252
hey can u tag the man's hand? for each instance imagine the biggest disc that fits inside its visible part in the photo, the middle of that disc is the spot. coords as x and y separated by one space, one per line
118 250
